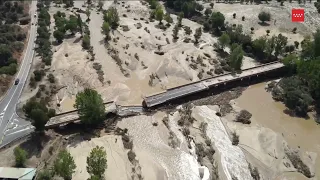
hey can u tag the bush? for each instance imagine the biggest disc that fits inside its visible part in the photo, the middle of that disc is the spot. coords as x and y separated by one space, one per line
20 156
38 74
235 139
244 117
44 175
131 156
51 78
51 113
254 172
299 164
86 42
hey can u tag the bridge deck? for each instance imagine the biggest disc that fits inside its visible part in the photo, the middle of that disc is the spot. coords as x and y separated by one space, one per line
205 84
73 116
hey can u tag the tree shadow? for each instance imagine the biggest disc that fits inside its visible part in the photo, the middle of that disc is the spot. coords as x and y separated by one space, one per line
221 53
56 43
35 144
69 36
291 113
77 40
264 23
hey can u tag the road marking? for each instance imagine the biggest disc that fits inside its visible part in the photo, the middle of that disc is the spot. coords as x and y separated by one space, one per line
23 68
4 130
20 131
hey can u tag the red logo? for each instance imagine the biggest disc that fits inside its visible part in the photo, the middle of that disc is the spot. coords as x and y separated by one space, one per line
297 15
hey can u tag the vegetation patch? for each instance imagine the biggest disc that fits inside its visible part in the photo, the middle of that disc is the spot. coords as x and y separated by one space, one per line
299 164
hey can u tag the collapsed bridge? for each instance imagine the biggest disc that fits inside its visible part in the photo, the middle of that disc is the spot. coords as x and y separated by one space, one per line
210 83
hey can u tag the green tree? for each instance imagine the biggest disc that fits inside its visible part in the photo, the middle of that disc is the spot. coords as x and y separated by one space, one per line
291 62
199 7
32 104
100 5
153 4
296 44
180 16
280 42
264 16
97 162
175 32
106 30
159 14
259 46
86 42
112 17
58 35
168 18
197 35
88 13
296 95
316 43
94 178
217 20
208 12
51 113
51 78
64 165
90 107
307 48
72 24
79 22
39 119
224 40
309 71
38 74
20 156
236 57
68 3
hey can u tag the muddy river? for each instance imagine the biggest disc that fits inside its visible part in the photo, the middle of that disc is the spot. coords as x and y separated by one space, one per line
296 131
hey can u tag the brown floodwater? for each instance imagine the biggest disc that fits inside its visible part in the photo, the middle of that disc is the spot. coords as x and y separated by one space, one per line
268 113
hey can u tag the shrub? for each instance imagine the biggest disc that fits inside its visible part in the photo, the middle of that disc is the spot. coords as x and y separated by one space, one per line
51 78
20 156
244 117
131 156
235 139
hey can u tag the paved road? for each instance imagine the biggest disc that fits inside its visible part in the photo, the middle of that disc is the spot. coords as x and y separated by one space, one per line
11 126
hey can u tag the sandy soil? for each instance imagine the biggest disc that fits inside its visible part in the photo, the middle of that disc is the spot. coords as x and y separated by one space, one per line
129 87
118 163
157 159
171 69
